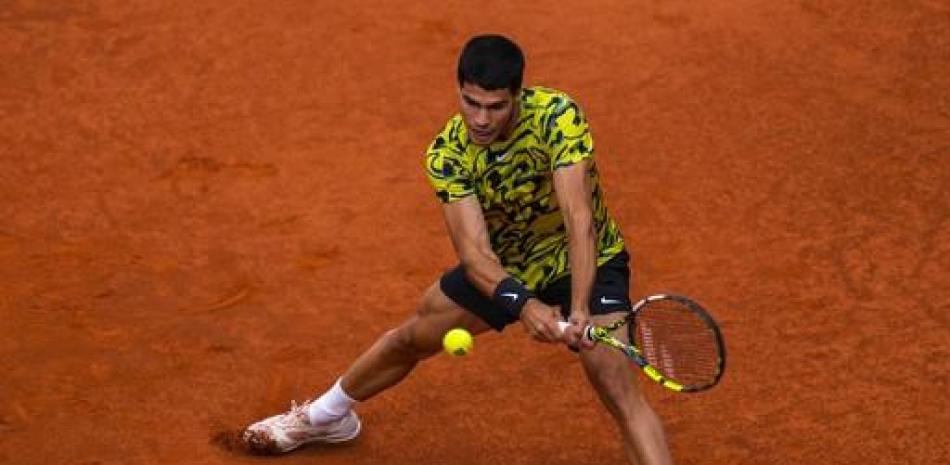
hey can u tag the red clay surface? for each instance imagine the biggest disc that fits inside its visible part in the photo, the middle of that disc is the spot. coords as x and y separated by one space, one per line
206 211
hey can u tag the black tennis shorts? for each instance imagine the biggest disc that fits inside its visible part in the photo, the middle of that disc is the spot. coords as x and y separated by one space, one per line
611 293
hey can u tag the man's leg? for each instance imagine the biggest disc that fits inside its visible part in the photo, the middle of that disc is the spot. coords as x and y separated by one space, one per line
613 377
385 364
398 351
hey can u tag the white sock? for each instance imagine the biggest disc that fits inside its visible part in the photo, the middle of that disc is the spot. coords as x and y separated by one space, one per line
332 405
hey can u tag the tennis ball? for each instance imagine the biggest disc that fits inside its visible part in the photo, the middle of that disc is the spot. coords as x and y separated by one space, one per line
457 342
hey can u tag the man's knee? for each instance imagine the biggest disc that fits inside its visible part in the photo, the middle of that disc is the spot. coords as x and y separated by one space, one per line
421 335
405 343
412 338
608 374
614 378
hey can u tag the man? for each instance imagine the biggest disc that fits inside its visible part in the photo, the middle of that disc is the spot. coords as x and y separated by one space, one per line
525 212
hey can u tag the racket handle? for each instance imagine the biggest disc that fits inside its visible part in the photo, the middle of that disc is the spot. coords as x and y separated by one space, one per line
562 325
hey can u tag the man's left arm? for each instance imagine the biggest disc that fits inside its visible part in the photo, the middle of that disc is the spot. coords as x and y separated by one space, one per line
572 186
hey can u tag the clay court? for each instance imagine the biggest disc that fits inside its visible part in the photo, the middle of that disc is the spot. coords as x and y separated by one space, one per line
208 209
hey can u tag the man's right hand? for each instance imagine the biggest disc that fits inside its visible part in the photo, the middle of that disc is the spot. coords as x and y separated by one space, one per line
540 321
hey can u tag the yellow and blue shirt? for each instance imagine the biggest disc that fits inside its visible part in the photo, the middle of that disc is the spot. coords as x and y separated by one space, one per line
512 180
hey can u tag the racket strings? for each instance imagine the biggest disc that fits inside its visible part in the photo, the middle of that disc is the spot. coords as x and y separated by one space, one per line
678 342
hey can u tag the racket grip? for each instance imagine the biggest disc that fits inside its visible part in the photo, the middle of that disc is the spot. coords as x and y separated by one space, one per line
562 325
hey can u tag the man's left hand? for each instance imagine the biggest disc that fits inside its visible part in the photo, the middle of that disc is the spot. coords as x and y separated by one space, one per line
574 334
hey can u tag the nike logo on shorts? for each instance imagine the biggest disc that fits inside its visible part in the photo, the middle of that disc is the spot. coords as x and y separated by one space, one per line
605 301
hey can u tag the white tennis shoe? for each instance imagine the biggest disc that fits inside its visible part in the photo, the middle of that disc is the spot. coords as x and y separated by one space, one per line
288 431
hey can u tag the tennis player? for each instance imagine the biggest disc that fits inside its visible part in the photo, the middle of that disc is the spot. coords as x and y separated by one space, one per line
520 193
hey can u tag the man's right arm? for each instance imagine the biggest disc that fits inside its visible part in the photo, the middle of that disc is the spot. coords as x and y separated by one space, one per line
470 238
466 225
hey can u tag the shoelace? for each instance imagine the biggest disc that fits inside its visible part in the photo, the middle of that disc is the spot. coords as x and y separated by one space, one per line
296 415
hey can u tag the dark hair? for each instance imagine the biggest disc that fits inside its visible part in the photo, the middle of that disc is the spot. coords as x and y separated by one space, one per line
491 62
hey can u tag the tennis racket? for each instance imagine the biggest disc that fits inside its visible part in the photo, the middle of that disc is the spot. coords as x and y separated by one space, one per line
672 339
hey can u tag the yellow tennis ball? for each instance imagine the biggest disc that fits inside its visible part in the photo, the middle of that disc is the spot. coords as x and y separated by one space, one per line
457 342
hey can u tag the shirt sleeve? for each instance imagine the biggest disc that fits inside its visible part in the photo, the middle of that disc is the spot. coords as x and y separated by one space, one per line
568 133
445 170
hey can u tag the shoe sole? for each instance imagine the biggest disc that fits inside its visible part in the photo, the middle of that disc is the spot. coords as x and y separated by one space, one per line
261 443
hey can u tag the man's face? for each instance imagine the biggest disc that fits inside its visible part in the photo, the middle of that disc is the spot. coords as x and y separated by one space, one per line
488 114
